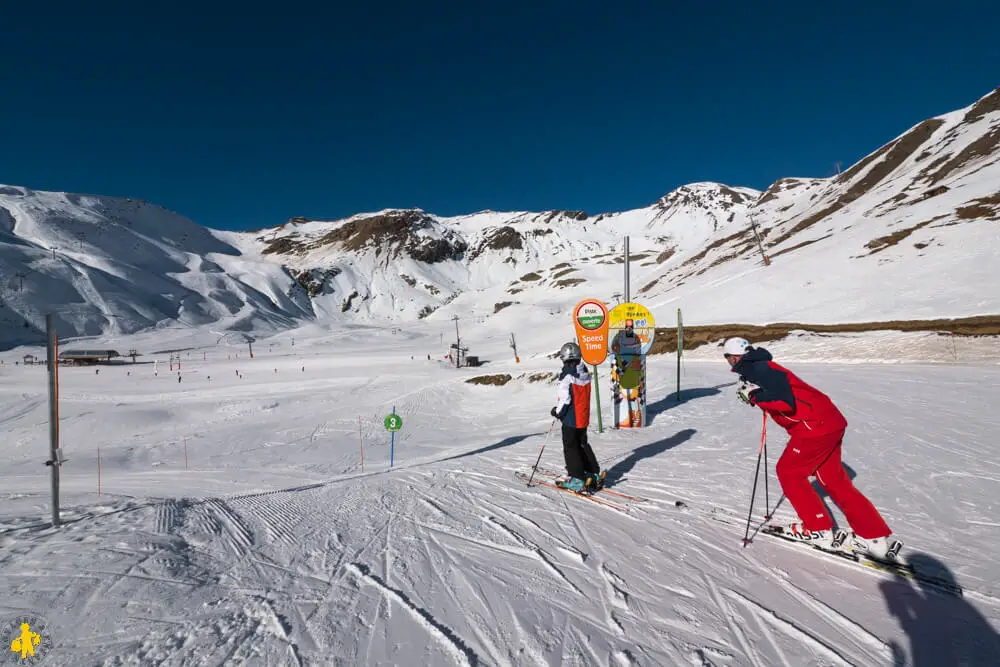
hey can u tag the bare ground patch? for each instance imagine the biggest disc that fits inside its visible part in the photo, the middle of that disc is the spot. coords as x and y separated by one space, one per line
569 282
696 336
988 104
883 242
985 207
491 380
981 147
800 245
894 153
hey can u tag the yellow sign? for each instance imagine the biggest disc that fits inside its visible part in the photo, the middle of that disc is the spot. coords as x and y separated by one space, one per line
632 329
25 638
590 317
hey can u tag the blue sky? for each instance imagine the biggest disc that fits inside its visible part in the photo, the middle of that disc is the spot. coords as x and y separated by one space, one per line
241 118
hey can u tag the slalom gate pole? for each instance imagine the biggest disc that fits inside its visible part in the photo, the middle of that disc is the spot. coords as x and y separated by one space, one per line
392 440
753 494
538 460
362 441
763 446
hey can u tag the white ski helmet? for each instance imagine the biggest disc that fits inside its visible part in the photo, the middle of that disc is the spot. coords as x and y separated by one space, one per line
570 352
736 347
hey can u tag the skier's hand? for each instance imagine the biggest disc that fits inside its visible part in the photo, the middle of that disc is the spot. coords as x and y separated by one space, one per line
554 414
746 391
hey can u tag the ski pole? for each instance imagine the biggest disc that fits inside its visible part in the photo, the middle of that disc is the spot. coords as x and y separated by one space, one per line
763 446
544 442
753 494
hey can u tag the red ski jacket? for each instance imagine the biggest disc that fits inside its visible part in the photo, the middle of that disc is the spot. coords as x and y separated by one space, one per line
799 408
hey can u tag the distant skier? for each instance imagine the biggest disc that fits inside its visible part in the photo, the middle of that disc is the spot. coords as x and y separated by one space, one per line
817 429
573 409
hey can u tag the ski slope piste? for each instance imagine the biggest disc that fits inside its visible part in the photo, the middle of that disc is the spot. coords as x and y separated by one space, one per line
273 547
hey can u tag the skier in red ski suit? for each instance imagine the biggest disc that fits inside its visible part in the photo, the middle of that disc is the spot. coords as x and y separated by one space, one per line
817 429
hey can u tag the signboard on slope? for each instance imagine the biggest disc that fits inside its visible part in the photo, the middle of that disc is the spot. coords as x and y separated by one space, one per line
632 330
590 318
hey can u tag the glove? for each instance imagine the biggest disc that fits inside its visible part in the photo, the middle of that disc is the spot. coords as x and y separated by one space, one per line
554 414
746 391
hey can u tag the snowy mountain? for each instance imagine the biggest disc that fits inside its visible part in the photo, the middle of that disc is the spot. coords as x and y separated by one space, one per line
909 232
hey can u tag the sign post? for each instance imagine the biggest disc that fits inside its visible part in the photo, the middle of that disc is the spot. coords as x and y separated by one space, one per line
590 318
393 423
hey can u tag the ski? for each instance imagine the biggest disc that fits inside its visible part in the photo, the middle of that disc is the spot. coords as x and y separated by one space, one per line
637 499
600 501
890 565
895 566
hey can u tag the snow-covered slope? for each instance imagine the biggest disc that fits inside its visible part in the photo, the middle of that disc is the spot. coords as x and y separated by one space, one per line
237 524
104 264
909 232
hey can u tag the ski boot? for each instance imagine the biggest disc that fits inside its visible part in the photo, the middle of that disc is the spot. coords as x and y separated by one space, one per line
571 484
878 548
595 481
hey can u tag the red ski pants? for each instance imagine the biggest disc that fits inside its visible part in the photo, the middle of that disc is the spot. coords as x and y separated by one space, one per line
820 456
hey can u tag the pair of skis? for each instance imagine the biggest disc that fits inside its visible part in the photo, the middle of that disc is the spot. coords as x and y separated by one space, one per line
611 498
892 564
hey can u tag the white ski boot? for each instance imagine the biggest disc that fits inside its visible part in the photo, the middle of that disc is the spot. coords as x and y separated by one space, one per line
879 548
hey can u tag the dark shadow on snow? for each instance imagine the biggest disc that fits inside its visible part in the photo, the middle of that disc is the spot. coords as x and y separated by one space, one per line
618 471
506 442
670 401
943 629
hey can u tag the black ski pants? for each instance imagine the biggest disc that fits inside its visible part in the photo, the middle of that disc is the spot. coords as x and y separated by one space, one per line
580 459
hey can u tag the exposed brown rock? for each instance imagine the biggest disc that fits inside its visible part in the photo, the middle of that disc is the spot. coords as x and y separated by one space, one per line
989 104
984 146
491 380
883 242
799 245
985 207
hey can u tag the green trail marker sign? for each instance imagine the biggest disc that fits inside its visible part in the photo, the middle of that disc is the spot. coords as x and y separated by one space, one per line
393 422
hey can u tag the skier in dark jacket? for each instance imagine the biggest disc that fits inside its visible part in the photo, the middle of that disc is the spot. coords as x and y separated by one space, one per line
573 409
817 429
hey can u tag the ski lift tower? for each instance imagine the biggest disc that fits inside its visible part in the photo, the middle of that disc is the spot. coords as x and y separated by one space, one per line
457 353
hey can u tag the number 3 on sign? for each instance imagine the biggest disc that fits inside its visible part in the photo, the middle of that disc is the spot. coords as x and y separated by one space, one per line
393 422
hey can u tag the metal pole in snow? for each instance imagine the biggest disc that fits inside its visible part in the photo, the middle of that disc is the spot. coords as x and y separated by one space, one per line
362 441
597 391
627 295
55 454
680 351
392 441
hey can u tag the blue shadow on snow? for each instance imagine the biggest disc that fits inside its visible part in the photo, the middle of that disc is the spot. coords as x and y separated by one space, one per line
670 401
618 471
